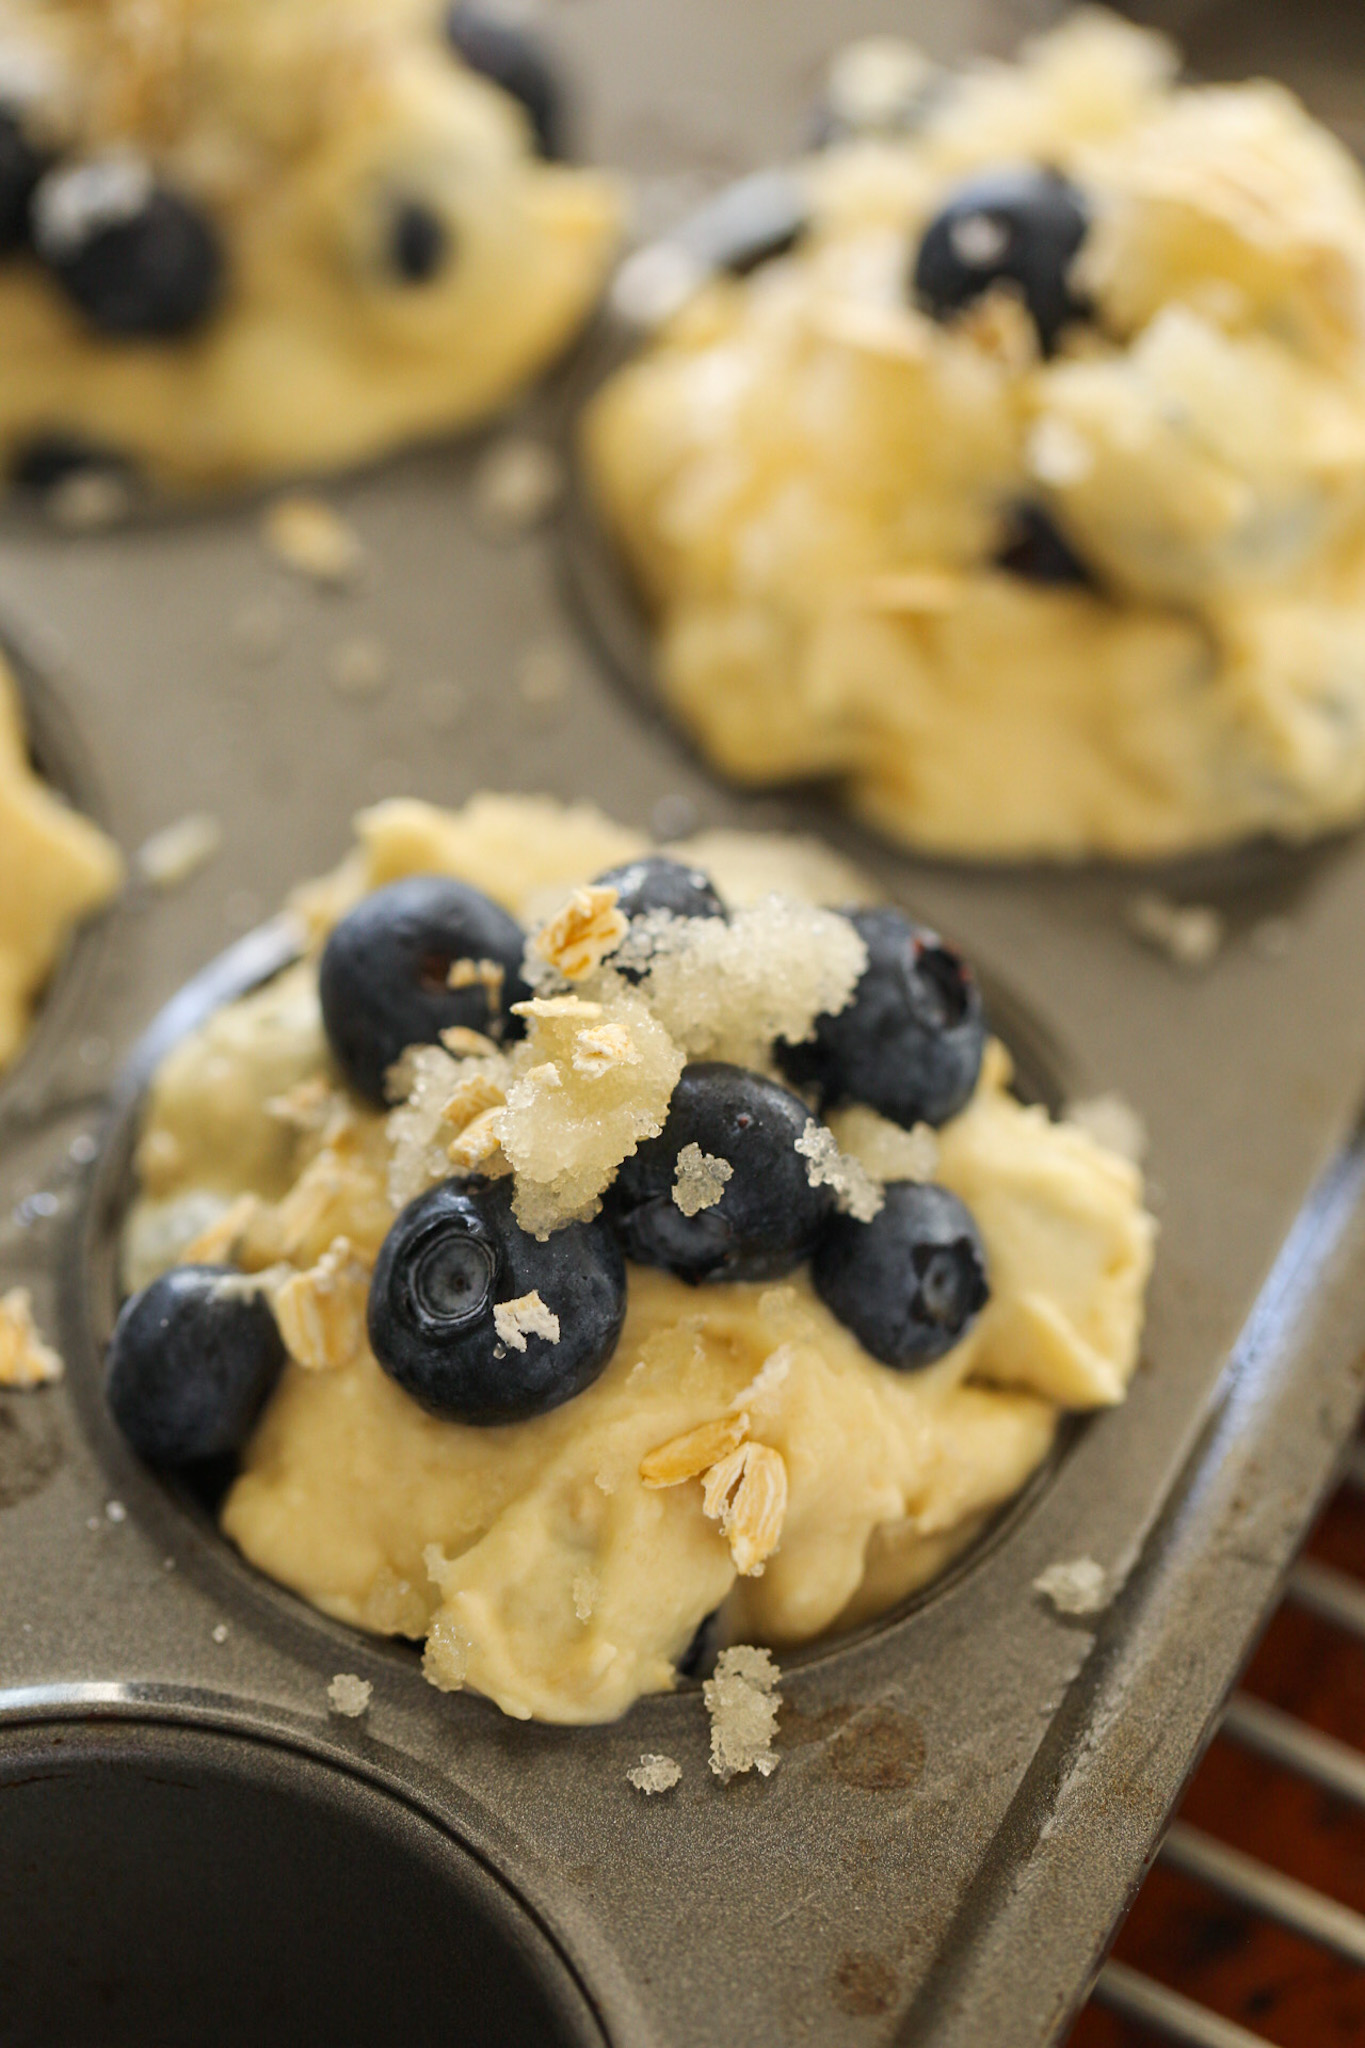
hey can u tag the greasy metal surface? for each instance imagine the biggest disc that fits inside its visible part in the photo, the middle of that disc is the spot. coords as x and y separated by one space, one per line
968 1796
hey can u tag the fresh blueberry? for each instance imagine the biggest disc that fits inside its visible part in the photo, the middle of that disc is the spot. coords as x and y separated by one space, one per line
190 1364
654 882
452 1257
768 1215
419 242
699 1658
1035 550
908 1283
21 166
384 978
1015 227
514 60
139 260
46 461
910 1042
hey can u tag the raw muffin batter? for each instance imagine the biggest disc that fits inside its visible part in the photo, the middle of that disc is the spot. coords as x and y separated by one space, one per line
1027 492
55 868
740 1447
244 237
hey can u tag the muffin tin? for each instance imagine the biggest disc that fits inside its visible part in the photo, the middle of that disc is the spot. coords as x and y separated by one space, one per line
969 1790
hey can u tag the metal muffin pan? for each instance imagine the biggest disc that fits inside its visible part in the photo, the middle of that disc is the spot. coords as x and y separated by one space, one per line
968 1793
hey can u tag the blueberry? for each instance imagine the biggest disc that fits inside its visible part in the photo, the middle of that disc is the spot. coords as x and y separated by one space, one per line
654 882
21 166
139 260
768 1216
456 1253
190 1365
384 976
419 242
698 1660
516 61
908 1283
910 1042
1019 227
1035 550
46 461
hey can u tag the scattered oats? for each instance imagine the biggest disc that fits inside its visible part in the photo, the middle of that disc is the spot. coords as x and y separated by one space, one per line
25 1360
465 1044
887 1150
1058 453
742 1700
178 851
856 1193
220 1632
218 1243
700 1179
89 500
1075 1588
527 1316
655 1774
545 672
470 1097
349 1696
746 1492
516 485
360 667
478 1147
306 535
258 629
586 1588
580 936
694 1452
1189 934
875 82
1113 1123
115 1511
1272 937
320 1313
489 975
603 1046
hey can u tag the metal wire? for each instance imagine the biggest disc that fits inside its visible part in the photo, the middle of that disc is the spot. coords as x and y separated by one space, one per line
1335 1597
1135 1997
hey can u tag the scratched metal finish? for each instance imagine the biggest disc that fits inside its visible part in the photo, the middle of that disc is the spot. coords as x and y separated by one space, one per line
969 1792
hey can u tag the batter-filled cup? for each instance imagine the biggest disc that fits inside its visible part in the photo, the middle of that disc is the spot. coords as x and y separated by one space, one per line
583 1247
1025 492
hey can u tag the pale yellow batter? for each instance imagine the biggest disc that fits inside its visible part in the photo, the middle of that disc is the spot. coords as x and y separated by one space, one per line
297 127
812 479
55 868
540 1568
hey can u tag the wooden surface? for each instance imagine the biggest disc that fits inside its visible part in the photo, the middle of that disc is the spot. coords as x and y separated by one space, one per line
1287 1990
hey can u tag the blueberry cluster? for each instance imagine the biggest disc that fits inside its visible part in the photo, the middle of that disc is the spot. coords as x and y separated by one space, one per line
140 260
193 1356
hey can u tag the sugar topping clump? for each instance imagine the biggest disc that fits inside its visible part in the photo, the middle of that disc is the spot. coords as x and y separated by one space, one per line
727 990
856 1193
349 1696
593 1080
700 1180
655 1773
742 1700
